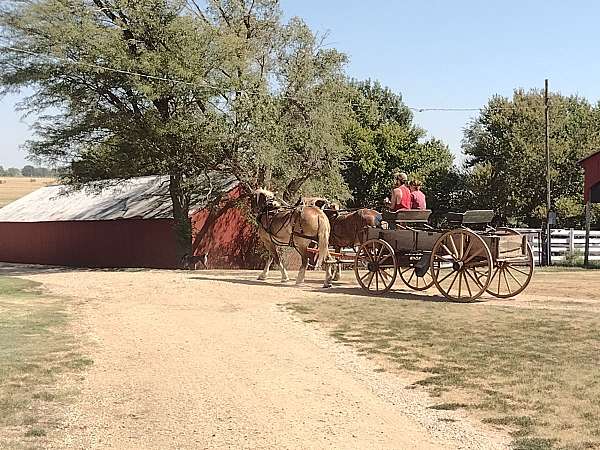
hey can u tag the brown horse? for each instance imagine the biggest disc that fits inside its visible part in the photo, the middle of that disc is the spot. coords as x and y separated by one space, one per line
293 227
350 229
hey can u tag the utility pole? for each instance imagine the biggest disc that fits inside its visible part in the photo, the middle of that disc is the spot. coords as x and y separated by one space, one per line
548 200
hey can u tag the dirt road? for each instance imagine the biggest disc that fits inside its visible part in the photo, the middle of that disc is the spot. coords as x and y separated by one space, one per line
209 360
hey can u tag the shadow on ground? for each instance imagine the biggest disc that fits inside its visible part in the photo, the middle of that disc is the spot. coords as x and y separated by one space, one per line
13 269
337 289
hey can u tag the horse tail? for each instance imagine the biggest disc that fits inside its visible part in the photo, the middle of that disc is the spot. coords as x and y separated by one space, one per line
323 231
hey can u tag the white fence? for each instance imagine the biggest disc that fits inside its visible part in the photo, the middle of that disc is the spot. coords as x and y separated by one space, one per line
564 242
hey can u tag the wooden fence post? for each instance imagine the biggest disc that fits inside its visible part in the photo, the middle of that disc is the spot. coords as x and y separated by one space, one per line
572 241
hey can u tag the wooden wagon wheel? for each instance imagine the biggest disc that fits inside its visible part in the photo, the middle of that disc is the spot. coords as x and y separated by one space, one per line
461 265
512 275
412 279
375 266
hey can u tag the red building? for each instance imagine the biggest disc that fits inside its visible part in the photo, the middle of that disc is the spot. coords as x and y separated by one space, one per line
591 167
127 224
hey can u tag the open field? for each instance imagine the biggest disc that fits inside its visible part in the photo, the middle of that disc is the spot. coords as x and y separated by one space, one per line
36 351
12 188
212 359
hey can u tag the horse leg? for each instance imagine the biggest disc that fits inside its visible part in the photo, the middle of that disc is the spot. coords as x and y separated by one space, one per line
265 273
266 240
336 267
336 272
302 270
328 274
284 275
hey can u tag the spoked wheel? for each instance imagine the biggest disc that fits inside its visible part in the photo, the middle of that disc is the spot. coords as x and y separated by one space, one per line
512 275
411 278
461 265
375 266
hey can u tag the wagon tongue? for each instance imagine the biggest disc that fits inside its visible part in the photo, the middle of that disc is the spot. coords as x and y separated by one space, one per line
422 264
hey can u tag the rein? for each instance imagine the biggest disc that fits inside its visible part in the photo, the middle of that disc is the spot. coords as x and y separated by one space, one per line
291 217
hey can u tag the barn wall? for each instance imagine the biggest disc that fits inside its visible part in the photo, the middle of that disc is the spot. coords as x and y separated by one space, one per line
230 238
111 243
227 235
592 174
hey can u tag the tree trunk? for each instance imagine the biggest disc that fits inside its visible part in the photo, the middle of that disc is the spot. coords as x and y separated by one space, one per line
293 187
181 210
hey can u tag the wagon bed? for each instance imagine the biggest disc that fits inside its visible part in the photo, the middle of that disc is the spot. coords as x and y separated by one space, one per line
463 260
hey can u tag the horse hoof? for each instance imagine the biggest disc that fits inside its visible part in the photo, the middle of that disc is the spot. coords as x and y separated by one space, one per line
327 286
261 278
285 280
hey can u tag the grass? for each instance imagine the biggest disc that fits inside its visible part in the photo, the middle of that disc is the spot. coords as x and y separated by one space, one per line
530 372
36 351
558 267
13 188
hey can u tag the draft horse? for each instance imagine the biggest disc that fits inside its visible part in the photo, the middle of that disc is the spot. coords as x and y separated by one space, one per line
295 227
349 229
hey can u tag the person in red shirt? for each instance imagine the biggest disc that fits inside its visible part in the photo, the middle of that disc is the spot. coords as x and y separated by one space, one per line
417 197
401 198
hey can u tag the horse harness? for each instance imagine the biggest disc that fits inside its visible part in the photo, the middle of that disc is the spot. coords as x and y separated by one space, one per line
270 212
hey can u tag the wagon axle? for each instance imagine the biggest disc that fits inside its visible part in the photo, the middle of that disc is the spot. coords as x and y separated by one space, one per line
372 266
458 266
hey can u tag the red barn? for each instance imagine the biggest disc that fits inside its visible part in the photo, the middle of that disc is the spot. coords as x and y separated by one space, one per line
591 166
127 224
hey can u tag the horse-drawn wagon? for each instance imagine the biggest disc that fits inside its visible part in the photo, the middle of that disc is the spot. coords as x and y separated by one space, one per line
463 260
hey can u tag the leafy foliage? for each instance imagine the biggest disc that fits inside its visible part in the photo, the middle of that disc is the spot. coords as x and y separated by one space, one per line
383 140
137 87
505 145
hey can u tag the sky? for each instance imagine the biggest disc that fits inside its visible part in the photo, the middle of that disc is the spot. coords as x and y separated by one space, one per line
437 54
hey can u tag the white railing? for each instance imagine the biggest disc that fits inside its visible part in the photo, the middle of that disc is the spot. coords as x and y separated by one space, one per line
564 242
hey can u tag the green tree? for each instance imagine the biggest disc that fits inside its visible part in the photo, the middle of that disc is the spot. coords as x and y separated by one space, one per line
109 123
195 87
506 156
384 139
28 171
41 172
288 107
13 172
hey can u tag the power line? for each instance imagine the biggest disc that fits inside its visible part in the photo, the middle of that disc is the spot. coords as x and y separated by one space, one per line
209 86
443 109
96 66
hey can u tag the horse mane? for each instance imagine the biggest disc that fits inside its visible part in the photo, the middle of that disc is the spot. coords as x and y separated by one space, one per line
265 192
319 202
270 200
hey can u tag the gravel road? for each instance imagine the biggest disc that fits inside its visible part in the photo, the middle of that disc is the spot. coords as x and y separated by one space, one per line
209 360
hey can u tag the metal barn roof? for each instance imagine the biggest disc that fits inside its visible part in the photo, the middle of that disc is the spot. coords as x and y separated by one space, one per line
143 197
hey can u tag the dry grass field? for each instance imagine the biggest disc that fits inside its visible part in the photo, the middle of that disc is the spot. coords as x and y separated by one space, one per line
36 351
13 188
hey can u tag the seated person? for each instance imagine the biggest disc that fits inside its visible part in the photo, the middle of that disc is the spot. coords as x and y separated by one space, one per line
416 195
401 198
